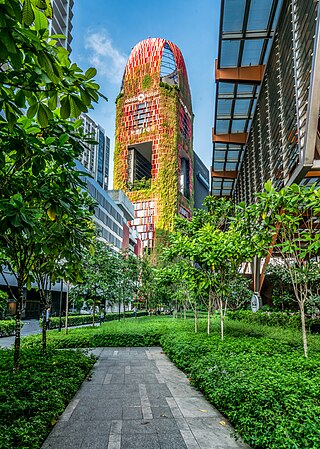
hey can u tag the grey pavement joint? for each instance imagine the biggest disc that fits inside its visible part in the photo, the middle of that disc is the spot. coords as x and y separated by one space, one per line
137 399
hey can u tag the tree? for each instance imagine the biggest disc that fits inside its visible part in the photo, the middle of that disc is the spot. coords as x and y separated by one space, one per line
36 147
287 223
100 278
215 249
48 81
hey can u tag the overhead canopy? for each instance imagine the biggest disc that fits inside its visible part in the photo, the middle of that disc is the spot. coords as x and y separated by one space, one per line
246 31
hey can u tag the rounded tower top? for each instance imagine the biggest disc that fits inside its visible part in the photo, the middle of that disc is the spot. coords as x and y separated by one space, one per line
154 61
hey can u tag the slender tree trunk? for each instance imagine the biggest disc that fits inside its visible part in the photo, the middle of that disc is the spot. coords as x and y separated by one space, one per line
17 339
222 325
94 311
209 314
184 311
44 321
67 308
303 328
195 318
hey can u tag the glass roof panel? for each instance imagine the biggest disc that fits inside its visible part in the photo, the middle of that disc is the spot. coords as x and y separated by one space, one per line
219 155
238 126
245 89
233 15
218 166
233 155
224 107
252 52
231 165
222 126
241 107
229 53
259 14
226 88
220 146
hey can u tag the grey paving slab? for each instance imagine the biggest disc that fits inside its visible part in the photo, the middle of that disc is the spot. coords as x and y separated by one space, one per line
137 399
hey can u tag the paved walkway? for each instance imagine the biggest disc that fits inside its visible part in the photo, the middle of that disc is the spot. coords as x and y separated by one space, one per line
29 327
137 399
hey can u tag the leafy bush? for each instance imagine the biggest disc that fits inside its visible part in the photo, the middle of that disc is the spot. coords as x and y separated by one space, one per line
257 377
32 399
129 332
7 328
78 320
269 392
282 319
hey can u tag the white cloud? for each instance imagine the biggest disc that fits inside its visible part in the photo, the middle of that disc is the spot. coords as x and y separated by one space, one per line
107 59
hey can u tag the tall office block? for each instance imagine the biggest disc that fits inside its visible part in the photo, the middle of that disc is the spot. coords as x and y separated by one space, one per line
200 181
61 22
95 157
153 147
267 97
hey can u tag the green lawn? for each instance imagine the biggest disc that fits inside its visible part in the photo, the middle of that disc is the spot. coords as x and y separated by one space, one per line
257 377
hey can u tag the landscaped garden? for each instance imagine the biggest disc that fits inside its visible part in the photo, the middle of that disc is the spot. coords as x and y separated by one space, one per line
262 371
257 377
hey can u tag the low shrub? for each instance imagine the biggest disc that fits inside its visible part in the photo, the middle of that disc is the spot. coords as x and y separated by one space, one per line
268 318
79 320
33 398
145 331
267 390
7 328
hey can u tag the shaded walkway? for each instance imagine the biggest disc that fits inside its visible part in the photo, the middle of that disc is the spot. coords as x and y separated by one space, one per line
137 399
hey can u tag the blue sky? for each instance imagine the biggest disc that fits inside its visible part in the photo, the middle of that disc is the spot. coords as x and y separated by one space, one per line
105 31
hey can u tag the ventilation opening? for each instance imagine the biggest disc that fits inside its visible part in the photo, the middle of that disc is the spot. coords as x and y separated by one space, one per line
168 69
139 166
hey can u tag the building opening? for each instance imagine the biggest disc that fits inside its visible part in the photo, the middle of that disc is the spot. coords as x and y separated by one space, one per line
185 177
139 165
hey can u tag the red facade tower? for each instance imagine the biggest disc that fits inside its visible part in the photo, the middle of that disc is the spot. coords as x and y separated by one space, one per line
153 148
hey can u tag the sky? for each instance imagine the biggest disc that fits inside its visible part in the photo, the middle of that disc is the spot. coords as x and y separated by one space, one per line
105 31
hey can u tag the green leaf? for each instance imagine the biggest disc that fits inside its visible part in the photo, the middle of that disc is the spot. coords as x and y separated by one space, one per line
43 116
32 110
90 73
40 22
53 101
65 107
268 186
41 4
20 99
27 12
50 140
63 139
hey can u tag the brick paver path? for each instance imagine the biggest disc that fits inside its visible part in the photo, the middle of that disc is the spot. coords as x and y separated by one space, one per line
137 399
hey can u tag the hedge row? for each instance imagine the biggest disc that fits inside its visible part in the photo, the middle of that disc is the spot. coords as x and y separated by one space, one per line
267 390
78 320
32 399
272 318
7 328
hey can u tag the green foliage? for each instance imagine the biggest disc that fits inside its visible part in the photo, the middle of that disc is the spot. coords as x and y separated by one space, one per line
7 327
36 70
144 331
139 184
3 303
79 320
264 387
146 82
286 222
32 399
